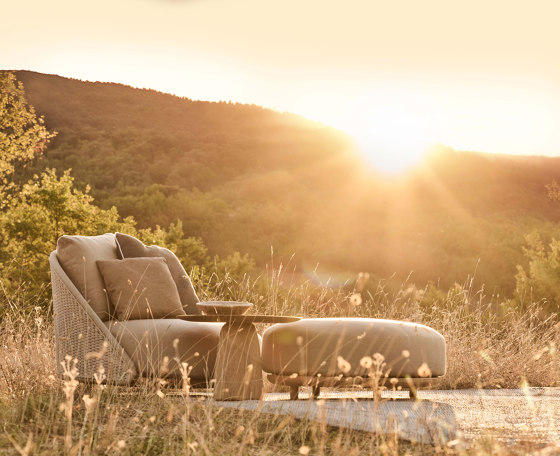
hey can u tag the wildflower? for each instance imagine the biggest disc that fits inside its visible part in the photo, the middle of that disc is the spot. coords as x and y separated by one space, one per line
378 359
356 299
424 370
366 362
343 365
89 402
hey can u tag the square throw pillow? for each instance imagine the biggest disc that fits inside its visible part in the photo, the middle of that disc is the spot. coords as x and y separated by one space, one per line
140 288
130 247
77 256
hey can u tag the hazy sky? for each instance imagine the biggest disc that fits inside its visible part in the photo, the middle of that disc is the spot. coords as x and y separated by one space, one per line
398 75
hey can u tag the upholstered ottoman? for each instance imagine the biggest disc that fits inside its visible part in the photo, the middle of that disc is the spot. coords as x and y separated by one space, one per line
352 351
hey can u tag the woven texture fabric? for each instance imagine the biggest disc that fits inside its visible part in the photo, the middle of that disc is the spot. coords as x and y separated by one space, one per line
81 335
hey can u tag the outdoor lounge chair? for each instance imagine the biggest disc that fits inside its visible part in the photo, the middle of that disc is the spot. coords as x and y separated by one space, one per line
118 351
312 352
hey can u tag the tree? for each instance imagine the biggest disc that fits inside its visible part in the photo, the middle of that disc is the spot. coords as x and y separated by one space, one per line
23 135
39 213
34 215
191 251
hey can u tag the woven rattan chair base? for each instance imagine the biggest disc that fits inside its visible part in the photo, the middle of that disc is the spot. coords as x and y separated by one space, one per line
81 338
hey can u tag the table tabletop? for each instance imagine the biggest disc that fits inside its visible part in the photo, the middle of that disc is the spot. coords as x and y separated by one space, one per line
240 319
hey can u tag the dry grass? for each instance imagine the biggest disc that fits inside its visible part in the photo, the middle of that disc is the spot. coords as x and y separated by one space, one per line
487 347
489 344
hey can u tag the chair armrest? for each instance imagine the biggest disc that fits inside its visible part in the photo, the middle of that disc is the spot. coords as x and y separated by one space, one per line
81 334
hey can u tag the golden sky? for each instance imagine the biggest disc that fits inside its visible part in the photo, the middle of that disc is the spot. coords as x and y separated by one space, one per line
398 75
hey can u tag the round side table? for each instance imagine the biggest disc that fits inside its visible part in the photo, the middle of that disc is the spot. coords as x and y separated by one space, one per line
238 368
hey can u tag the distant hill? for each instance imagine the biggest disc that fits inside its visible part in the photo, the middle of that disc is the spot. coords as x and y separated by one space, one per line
246 178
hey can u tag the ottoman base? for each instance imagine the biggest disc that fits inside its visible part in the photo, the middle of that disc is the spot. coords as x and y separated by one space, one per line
316 382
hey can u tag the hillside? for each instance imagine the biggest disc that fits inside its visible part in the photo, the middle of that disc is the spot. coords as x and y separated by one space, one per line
246 178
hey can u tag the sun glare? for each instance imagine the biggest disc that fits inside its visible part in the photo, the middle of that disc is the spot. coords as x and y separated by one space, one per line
394 134
393 127
392 141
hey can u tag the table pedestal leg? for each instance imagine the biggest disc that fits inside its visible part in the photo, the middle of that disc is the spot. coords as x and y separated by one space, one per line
238 364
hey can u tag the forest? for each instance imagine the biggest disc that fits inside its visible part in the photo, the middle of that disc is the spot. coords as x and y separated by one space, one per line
239 181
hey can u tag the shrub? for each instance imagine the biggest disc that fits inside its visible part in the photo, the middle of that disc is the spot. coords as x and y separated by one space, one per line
541 281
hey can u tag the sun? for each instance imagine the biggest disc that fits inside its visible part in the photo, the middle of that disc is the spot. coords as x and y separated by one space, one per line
393 136
393 127
389 148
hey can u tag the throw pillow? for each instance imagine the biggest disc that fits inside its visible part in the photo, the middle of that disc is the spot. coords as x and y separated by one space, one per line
77 256
140 288
130 247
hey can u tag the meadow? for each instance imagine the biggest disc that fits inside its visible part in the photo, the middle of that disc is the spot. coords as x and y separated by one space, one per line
43 414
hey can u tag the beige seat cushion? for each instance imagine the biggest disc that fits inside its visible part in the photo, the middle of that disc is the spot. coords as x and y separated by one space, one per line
331 346
130 247
147 342
140 288
77 256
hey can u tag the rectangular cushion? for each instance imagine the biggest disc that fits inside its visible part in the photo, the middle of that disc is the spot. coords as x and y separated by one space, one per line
149 342
140 288
77 256
130 247
347 346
